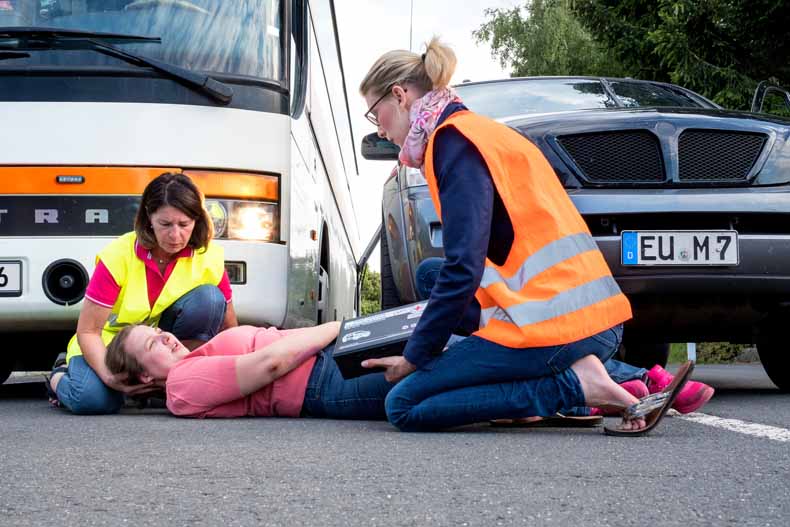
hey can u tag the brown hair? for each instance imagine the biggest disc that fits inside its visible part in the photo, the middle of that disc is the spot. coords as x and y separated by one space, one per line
430 71
118 361
180 192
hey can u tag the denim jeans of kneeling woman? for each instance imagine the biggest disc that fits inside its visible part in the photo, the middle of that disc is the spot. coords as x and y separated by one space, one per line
477 380
196 315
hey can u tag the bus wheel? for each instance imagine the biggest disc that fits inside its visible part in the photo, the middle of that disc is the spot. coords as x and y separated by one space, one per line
6 366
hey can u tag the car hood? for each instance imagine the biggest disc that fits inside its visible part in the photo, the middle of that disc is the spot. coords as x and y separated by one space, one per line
596 115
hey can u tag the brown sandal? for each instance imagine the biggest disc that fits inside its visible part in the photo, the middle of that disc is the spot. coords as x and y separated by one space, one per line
653 407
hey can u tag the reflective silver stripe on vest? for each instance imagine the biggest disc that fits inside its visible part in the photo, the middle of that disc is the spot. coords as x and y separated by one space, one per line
546 258
563 303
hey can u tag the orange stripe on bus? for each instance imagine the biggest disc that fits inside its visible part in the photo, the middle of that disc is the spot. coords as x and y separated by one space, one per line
132 180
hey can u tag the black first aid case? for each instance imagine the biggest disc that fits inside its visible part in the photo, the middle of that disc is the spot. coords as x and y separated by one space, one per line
381 334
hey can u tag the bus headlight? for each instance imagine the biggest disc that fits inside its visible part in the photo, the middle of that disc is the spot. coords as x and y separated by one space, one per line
244 220
219 216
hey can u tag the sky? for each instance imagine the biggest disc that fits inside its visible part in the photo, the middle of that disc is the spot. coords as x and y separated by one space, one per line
369 28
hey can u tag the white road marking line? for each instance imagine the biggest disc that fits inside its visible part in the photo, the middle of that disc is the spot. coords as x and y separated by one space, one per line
774 433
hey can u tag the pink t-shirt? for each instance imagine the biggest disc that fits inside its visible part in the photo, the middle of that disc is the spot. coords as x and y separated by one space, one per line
204 383
104 290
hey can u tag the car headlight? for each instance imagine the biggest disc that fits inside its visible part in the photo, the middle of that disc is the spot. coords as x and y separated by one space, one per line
244 220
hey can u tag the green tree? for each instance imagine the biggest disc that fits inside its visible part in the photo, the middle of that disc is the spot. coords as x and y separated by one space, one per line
719 48
544 37
371 291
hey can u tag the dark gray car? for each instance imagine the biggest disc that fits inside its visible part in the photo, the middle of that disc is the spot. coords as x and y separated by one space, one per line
689 203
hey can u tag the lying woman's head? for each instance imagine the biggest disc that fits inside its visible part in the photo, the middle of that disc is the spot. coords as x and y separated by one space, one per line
143 353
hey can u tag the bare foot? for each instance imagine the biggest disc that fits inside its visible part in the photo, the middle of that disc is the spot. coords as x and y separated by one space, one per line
600 390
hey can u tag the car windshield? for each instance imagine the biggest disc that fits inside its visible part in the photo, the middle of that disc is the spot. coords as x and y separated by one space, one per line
237 37
529 96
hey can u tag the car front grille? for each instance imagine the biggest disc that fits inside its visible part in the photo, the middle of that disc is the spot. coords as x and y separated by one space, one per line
718 155
626 156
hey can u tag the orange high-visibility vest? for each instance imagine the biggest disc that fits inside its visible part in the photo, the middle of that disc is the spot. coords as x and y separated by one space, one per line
554 287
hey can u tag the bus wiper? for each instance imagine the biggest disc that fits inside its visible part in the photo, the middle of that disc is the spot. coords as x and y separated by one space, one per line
31 38
47 33
13 55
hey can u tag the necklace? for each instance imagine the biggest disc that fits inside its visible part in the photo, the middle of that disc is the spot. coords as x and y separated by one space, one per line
160 260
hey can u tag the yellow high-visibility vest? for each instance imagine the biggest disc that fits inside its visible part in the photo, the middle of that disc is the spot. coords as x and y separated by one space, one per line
132 305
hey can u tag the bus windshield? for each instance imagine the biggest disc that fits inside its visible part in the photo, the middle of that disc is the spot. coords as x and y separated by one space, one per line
233 37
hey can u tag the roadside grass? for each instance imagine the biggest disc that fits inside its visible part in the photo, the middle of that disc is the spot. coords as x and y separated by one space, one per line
677 353
710 353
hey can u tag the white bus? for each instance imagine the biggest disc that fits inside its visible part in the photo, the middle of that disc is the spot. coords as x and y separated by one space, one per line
97 97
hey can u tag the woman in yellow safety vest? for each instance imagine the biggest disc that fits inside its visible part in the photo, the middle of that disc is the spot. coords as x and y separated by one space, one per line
518 255
166 273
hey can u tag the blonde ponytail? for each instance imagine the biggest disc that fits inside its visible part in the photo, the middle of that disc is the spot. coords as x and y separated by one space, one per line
440 63
429 71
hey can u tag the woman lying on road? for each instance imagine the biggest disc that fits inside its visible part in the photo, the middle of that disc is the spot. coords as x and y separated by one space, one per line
549 311
249 371
167 273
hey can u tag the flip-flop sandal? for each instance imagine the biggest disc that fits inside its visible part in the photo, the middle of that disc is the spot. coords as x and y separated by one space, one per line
555 421
51 395
653 407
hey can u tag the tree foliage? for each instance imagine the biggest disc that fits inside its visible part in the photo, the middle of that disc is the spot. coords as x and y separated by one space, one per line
719 48
371 292
544 38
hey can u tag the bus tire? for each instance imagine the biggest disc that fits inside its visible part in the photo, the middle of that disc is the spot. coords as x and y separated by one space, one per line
389 292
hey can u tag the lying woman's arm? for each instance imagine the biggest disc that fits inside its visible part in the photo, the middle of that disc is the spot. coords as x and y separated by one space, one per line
263 366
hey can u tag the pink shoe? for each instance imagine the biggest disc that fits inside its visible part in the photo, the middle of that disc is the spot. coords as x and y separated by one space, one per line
691 398
636 388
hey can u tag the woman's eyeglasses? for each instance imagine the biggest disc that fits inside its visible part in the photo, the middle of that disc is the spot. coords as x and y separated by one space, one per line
369 115
374 120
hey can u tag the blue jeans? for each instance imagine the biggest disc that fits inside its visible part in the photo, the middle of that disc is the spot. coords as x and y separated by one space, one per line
196 315
476 380
329 395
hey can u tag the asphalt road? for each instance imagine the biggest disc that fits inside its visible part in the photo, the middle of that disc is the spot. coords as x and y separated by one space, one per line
148 468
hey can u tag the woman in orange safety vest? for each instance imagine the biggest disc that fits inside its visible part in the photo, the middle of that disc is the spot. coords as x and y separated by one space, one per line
518 258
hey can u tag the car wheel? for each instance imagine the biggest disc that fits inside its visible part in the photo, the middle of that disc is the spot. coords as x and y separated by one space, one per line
644 354
776 361
389 292
6 367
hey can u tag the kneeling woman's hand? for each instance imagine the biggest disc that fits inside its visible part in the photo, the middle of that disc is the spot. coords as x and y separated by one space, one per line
118 383
396 367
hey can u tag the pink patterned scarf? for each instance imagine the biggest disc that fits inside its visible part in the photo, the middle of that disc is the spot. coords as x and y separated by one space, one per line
424 114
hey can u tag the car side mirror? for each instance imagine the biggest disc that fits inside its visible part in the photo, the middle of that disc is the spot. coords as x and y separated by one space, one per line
374 148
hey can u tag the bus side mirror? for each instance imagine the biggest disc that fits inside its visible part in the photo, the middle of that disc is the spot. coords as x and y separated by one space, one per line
374 148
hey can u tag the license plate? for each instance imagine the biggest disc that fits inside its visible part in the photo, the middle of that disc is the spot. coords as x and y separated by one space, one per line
679 248
10 278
